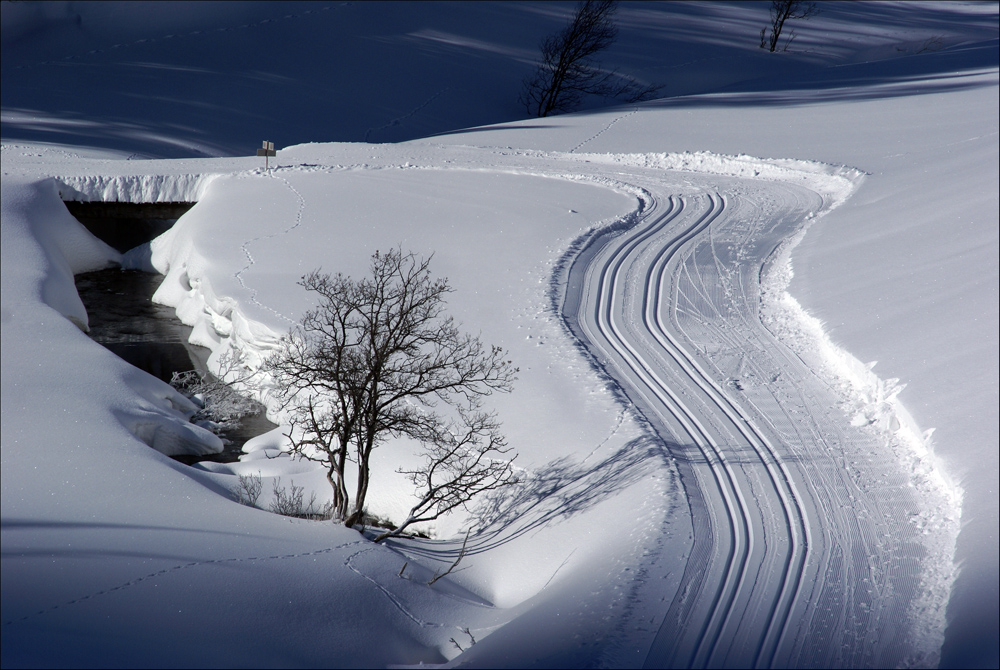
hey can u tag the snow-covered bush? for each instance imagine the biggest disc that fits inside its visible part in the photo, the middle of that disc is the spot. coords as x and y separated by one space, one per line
221 404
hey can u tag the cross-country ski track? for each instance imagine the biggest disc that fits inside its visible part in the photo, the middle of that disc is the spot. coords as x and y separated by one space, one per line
803 554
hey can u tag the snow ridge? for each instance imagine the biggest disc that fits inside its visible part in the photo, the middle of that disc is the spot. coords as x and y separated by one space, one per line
833 183
135 188
875 407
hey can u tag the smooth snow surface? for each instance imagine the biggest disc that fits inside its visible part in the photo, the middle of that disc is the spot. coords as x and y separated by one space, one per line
712 471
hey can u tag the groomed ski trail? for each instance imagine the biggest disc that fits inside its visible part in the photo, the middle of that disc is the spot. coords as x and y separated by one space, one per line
797 560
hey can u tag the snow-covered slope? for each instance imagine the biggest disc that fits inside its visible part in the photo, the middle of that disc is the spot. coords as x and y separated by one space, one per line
162 79
904 274
904 271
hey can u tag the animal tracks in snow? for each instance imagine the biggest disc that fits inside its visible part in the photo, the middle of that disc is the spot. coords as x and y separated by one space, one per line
245 247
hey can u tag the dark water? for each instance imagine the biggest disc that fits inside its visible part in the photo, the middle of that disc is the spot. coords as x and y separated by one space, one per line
126 225
125 320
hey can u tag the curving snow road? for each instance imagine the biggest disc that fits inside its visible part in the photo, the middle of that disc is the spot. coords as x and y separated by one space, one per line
803 554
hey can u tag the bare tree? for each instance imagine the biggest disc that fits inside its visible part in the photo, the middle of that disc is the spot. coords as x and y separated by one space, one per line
378 358
781 11
568 71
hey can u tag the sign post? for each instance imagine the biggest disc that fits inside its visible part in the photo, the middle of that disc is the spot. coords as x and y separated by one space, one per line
267 151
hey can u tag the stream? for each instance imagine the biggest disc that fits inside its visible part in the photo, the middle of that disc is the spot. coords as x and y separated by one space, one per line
124 319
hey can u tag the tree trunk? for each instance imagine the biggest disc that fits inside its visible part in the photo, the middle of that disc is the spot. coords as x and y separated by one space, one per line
335 475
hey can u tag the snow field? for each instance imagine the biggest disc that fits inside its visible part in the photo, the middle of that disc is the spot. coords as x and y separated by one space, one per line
215 283
904 272
220 322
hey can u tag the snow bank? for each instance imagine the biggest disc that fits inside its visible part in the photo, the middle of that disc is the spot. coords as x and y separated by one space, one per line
41 226
43 248
834 184
872 404
134 188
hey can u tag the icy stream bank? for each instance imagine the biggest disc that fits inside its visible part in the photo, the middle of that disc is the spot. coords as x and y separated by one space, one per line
123 316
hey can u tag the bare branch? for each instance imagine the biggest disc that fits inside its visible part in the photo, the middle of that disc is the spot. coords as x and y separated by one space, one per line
463 460
222 399
461 555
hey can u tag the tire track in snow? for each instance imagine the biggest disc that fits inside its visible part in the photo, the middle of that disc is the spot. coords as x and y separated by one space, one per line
780 479
845 550
742 536
781 545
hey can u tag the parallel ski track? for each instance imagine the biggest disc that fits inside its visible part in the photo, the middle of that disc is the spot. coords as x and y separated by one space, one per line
781 479
747 543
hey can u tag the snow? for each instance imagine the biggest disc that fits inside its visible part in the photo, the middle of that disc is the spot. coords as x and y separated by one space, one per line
926 311
111 549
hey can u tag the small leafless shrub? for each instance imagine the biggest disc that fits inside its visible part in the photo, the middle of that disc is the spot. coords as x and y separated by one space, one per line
291 502
472 639
248 490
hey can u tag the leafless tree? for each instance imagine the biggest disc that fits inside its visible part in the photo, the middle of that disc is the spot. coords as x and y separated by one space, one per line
568 72
378 358
781 11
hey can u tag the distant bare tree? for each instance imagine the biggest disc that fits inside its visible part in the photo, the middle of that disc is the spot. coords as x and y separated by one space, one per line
568 71
781 11
374 359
